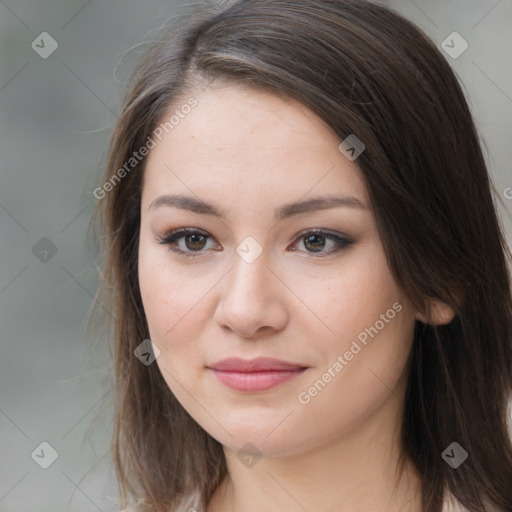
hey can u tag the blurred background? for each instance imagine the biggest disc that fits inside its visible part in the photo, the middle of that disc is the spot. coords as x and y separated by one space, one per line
59 98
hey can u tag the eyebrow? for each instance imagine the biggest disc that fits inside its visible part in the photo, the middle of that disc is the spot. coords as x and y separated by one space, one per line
195 205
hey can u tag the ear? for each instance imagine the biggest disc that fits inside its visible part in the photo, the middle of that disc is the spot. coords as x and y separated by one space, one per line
437 313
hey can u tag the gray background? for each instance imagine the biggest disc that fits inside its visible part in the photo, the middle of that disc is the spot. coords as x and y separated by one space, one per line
56 115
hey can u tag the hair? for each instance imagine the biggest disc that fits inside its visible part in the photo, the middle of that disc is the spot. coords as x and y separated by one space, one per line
364 70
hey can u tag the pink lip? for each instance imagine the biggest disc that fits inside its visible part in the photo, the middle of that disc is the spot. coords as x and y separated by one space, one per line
256 374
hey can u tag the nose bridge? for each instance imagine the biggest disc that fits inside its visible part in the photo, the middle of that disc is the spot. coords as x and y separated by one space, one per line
250 274
248 300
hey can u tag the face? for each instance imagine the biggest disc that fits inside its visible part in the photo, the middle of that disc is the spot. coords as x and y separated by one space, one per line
253 277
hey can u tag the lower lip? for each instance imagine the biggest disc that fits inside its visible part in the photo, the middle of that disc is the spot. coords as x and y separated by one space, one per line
256 381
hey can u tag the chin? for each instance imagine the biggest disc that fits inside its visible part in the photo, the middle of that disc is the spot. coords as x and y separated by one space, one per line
262 438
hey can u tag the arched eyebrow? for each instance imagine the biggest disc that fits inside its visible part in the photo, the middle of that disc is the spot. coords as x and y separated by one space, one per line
315 204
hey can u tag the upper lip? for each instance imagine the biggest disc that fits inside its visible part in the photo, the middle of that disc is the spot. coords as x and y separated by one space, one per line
260 364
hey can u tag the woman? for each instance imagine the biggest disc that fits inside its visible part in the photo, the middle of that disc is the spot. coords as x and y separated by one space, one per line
309 281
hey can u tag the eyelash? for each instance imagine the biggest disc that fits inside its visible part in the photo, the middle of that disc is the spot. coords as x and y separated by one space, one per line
172 237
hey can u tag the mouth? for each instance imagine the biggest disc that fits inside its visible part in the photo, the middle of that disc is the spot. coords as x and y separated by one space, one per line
254 375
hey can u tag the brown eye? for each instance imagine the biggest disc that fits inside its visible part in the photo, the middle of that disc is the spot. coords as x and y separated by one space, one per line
193 241
315 241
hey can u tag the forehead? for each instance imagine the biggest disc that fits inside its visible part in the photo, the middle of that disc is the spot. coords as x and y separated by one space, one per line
238 139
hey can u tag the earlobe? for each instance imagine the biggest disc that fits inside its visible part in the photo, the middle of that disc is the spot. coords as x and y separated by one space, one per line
438 313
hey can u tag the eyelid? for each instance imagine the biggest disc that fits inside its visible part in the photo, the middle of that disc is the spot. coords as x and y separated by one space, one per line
323 231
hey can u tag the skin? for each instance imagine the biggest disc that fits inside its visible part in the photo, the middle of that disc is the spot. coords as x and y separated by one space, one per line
250 152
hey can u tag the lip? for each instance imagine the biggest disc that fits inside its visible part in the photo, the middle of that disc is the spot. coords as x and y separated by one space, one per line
258 374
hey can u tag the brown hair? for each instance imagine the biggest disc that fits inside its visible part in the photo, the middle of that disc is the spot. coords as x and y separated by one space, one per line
364 70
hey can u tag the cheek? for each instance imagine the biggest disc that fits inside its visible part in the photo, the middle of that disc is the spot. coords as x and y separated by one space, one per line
369 323
154 300
176 303
163 290
163 297
171 308
352 297
371 375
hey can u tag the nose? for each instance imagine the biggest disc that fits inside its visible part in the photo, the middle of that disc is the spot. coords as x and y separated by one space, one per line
252 301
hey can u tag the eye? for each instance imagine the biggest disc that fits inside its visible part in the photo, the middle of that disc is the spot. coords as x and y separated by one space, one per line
190 242
194 241
315 240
